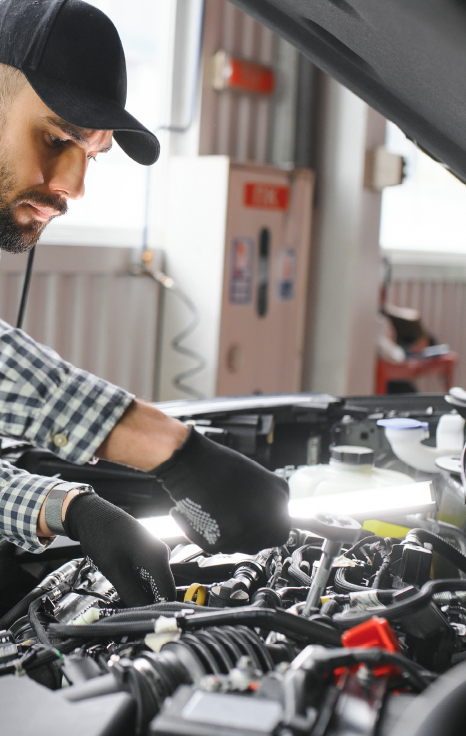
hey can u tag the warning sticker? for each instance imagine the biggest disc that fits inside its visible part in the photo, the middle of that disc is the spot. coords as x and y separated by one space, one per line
266 196
241 270
286 268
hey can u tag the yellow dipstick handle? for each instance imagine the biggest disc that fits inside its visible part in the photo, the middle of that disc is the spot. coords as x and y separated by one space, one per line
196 590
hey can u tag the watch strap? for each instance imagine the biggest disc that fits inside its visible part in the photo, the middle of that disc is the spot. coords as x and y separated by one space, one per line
54 503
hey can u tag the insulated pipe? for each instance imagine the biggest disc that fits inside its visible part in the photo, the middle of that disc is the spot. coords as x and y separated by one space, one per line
405 437
267 618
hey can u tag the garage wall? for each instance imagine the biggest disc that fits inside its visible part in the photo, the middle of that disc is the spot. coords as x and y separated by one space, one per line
84 304
435 284
234 124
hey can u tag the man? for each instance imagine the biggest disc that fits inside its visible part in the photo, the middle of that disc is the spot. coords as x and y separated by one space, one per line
62 97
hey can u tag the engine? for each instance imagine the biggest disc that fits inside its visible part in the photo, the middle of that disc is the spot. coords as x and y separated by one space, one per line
337 632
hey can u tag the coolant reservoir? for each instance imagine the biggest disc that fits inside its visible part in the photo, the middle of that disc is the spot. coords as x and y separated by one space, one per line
350 469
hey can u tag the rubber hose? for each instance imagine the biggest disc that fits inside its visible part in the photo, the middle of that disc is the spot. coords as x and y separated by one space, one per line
440 545
267 618
101 629
416 602
343 585
20 609
297 574
36 624
441 709
169 606
366 540
294 569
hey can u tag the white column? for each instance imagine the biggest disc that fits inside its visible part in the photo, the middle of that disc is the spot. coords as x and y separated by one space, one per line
346 249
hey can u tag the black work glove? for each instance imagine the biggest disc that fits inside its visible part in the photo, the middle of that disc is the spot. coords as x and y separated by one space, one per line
225 502
132 559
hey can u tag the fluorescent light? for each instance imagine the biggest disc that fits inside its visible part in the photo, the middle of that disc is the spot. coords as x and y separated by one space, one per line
163 527
375 503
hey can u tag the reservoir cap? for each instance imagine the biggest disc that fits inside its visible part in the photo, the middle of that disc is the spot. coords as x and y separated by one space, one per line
352 455
402 423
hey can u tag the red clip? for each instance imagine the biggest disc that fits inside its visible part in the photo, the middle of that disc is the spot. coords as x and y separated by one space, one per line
374 634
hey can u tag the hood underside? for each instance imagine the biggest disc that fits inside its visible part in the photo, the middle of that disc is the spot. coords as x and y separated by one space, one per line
405 58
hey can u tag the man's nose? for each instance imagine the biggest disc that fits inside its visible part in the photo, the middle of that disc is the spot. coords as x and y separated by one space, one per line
69 171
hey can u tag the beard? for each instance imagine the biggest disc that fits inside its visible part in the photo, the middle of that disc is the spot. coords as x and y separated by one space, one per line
16 237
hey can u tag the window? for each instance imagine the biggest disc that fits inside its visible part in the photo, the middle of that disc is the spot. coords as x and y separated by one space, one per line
428 211
113 209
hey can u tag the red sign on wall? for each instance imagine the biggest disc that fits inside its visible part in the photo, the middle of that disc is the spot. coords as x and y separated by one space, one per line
246 76
266 196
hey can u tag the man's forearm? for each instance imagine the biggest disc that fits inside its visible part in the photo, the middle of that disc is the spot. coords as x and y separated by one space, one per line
143 438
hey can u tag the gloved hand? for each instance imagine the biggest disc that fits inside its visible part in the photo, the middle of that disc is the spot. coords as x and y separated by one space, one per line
225 502
132 559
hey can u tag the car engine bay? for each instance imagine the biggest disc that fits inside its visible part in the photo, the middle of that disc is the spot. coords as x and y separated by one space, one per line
354 626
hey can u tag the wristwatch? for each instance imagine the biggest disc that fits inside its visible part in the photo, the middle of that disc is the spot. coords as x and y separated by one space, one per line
54 503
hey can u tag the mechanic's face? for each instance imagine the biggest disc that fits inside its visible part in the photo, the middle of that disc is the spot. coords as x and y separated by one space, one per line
43 162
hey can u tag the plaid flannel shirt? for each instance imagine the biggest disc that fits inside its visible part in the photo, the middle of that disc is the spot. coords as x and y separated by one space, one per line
53 405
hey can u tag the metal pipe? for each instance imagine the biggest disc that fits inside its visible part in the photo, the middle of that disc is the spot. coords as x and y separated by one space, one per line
330 550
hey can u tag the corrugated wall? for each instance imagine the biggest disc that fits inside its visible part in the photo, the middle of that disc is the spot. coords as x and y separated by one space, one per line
234 124
84 304
442 304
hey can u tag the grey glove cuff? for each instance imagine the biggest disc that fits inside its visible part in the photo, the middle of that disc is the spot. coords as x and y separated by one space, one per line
54 503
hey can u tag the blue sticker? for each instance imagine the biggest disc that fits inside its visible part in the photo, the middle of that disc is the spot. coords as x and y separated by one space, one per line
241 270
286 275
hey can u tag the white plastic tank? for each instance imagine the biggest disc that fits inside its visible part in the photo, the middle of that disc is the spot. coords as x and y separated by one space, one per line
350 469
406 438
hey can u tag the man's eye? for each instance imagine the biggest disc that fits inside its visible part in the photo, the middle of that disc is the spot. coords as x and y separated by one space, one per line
55 140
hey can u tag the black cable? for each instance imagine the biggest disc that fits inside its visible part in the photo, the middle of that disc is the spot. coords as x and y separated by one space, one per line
441 546
25 292
416 602
38 628
342 585
365 540
384 569
20 609
267 618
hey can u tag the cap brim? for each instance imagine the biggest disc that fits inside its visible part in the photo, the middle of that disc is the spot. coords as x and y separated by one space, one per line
90 110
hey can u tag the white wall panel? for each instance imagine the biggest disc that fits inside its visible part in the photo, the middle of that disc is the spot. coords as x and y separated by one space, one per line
84 304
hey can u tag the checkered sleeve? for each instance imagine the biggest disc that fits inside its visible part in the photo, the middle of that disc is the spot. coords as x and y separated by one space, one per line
21 497
48 402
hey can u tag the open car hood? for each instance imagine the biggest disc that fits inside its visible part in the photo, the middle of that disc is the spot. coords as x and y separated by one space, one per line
405 58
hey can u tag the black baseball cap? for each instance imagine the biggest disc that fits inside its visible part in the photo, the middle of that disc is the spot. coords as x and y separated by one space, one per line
71 54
